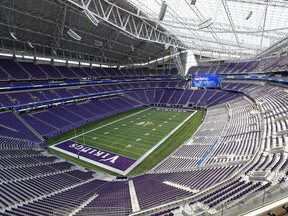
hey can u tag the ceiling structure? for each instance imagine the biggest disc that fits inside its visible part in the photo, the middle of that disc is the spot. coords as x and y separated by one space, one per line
41 28
242 28
121 32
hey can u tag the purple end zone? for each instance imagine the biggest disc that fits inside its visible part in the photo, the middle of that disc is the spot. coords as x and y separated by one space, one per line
98 155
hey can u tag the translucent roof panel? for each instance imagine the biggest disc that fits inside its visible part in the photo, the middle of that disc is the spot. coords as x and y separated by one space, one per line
239 27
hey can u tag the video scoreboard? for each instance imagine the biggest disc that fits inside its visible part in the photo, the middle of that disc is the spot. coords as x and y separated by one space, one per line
206 80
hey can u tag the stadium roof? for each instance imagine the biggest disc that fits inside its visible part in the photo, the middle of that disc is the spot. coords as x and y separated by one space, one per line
244 27
241 27
125 31
34 27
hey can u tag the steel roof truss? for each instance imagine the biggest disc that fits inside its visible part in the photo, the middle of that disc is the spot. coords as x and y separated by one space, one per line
131 26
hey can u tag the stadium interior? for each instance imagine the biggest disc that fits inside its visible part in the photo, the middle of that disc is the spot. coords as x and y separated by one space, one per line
133 107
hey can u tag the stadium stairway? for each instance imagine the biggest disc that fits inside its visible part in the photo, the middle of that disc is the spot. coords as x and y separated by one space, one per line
78 209
131 98
32 129
32 200
133 195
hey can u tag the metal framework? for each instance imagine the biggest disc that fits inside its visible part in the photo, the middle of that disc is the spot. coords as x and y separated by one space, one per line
128 22
220 27
230 32
56 38
177 20
275 3
201 18
276 48
175 54
41 41
264 23
230 21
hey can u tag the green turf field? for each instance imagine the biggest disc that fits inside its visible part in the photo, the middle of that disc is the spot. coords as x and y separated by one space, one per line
132 134
135 135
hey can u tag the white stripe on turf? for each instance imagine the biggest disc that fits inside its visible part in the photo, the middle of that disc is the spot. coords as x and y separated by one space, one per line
157 145
103 126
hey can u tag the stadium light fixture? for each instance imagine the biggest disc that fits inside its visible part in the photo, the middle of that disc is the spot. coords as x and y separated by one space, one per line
205 23
193 2
166 46
30 45
91 17
249 15
98 43
162 10
74 35
13 35
54 52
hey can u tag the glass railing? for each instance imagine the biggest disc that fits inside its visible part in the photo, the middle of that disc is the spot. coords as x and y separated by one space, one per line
254 201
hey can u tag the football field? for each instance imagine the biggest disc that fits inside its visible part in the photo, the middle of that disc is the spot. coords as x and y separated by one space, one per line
135 135
120 143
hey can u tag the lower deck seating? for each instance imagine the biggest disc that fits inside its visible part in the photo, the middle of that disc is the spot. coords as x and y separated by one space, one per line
150 189
112 195
56 120
12 126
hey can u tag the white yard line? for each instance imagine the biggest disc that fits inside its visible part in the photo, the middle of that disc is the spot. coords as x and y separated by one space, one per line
157 145
102 126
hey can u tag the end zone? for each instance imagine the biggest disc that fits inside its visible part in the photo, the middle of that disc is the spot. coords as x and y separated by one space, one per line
96 156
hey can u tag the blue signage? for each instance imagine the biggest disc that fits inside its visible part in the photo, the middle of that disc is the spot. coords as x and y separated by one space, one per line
206 80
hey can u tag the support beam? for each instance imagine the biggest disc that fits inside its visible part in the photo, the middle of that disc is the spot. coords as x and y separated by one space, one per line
278 47
275 3
194 38
176 20
80 30
128 22
201 17
192 25
60 27
50 35
59 23
41 47
228 43
175 54
264 23
225 5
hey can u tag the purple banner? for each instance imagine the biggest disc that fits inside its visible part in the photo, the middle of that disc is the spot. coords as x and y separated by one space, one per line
98 155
